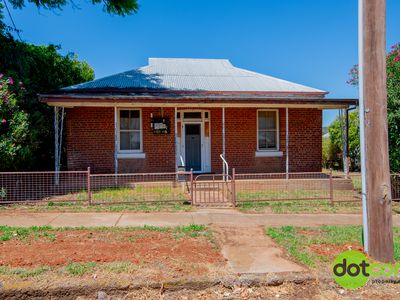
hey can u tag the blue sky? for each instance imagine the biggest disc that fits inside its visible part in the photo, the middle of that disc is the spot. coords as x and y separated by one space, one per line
311 42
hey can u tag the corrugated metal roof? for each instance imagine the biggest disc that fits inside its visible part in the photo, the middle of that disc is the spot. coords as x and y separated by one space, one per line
186 74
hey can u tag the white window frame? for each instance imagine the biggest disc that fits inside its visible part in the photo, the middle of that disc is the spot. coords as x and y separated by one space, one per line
127 153
277 132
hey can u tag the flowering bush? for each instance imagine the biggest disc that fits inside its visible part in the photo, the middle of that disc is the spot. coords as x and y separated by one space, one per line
13 126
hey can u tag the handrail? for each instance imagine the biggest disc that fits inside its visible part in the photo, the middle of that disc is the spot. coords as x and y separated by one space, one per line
182 161
225 167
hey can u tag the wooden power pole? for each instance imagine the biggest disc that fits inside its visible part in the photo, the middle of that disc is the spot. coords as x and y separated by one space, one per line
374 94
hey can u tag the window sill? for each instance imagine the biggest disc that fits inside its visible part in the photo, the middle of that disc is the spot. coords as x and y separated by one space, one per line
269 153
131 155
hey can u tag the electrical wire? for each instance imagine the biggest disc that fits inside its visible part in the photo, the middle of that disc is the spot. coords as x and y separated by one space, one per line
12 20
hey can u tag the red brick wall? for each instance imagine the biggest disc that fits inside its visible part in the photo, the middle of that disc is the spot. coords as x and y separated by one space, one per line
90 141
305 140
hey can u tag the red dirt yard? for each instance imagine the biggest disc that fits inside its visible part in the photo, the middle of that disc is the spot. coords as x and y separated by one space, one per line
184 252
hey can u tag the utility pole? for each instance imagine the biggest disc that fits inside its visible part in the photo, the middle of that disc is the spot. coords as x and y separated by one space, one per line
374 130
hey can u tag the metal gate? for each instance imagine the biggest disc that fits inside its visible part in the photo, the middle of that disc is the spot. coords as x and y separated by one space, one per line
213 190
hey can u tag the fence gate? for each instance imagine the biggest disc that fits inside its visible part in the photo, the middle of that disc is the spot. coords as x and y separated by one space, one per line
213 190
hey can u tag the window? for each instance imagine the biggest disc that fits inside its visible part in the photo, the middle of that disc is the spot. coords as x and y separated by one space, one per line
192 115
130 136
267 130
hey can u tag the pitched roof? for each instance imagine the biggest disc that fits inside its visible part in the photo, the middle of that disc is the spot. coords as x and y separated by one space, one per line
186 74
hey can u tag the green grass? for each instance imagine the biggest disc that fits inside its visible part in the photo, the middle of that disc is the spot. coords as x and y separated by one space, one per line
24 272
8 233
283 194
297 240
298 206
83 207
138 193
78 269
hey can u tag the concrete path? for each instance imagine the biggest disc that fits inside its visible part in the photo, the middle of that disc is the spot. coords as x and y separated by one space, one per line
221 217
249 250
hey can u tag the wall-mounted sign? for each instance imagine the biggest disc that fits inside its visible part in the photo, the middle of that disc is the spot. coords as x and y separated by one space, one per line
160 125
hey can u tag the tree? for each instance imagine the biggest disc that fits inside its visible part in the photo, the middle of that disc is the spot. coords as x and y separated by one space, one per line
393 107
38 69
26 126
116 7
335 135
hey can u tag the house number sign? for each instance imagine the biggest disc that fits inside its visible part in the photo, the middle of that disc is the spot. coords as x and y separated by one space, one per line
160 125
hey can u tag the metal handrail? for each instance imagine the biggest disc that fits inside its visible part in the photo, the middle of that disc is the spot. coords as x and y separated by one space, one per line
182 161
225 167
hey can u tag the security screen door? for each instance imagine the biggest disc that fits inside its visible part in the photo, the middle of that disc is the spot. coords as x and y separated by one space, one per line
193 147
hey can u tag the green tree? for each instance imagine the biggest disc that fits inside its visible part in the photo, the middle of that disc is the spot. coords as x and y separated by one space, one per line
39 69
335 136
393 107
27 124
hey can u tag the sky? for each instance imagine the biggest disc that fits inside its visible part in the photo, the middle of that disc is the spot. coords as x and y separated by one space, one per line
311 42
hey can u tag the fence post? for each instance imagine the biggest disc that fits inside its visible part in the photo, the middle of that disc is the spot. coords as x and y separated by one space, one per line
331 187
234 186
89 186
191 186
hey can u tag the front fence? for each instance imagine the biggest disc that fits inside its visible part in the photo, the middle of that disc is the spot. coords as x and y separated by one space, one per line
82 186
17 187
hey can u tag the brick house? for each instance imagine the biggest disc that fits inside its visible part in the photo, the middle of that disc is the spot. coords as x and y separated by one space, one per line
192 113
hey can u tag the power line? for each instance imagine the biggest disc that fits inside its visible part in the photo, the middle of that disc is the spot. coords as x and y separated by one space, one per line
12 20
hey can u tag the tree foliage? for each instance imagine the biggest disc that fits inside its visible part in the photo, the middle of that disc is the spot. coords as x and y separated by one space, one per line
335 136
393 112
38 69
115 7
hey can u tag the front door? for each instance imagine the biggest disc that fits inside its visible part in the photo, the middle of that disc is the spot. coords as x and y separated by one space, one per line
193 147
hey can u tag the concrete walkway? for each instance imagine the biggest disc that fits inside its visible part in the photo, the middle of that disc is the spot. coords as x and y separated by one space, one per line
249 250
221 217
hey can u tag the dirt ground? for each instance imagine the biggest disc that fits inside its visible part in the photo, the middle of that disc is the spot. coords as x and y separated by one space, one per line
105 246
307 291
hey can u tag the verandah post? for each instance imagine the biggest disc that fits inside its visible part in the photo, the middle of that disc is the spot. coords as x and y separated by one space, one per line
331 188
89 186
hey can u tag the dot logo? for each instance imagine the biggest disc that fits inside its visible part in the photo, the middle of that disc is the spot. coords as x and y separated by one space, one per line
351 269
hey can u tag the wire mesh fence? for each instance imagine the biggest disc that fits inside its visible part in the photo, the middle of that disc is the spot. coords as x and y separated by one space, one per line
281 186
82 186
149 187
395 181
17 187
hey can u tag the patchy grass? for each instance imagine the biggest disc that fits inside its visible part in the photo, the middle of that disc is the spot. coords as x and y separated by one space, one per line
298 195
137 193
79 269
25 233
314 247
24 272
283 194
83 207
299 206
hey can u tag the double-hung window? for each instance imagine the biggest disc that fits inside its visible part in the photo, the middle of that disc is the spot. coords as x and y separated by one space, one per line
267 130
130 127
